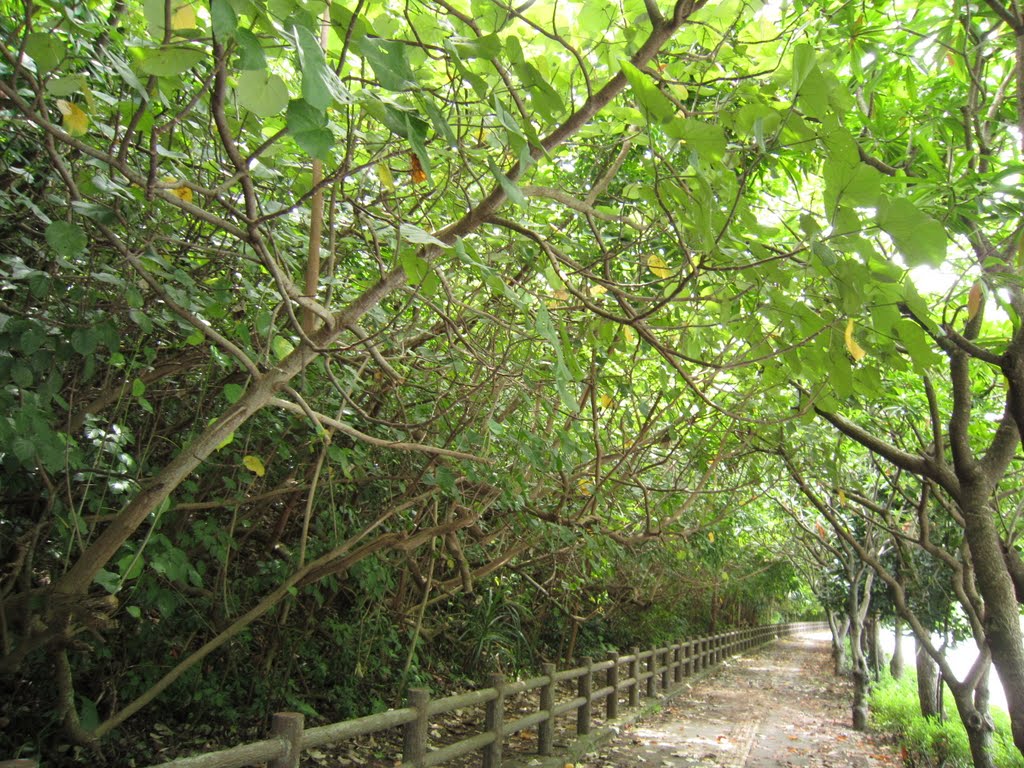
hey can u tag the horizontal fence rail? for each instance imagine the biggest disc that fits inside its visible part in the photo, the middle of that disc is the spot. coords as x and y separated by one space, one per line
638 675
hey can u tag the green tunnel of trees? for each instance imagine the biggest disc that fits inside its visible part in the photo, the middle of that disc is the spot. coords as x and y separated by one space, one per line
347 346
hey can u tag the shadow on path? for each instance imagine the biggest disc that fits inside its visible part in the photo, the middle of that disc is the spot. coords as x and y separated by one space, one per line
778 707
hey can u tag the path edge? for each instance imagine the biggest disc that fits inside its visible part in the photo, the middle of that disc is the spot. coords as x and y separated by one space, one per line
582 746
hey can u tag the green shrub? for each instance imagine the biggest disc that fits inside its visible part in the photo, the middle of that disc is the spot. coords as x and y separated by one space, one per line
929 741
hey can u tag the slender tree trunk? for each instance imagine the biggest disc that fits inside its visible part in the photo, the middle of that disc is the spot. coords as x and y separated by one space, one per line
927 683
861 678
1002 609
861 674
874 643
896 662
977 723
839 626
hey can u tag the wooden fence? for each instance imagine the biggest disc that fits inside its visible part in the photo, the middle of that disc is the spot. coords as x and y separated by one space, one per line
638 674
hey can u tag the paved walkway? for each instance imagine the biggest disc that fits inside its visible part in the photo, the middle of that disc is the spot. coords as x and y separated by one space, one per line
780 707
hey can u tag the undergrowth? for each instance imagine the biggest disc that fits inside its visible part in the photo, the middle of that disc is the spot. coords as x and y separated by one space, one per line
930 742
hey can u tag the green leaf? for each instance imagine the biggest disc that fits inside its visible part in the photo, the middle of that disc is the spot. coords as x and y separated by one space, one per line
485 47
440 124
415 267
131 566
67 239
138 388
31 340
281 347
414 234
919 237
154 10
21 375
263 94
651 101
707 140
46 50
804 61
814 93
65 86
389 62
545 98
141 319
171 60
507 185
223 18
308 126
233 392
24 449
918 345
109 580
255 465
250 51
857 185
320 86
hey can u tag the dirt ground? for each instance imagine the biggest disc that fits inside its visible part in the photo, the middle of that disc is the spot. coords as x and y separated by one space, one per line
779 707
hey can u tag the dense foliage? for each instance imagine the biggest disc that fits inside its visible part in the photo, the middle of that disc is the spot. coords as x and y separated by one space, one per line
386 343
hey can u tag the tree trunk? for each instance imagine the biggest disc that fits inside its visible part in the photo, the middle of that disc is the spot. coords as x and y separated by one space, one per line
874 643
861 678
840 627
927 683
896 662
977 723
861 674
1003 612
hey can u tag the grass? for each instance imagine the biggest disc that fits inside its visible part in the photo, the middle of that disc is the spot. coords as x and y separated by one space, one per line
929 742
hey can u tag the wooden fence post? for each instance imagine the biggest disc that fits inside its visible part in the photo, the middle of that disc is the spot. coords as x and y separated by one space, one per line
546 728
652 673
494 722
611 704
414 741
666 671
288 726
20 762
585 688
677 658
634 672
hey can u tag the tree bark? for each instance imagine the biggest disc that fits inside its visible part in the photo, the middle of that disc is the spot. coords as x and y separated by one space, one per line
857 603
896 663
839 625
1002 611
927 683
979 726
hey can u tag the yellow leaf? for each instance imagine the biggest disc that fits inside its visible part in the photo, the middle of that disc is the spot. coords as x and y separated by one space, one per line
183 193
842 498
387 180
76 122
254 465
184 17
606 401
711 536
974 301
629 333
658 266
561 295
855 350
586 486
598 290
